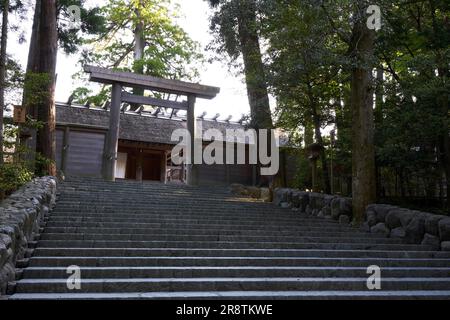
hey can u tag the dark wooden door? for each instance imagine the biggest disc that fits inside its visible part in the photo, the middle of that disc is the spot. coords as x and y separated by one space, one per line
151 167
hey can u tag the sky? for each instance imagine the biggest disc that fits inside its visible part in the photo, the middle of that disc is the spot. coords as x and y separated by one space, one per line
232 99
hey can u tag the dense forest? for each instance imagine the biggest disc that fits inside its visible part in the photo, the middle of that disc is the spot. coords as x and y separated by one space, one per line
361 87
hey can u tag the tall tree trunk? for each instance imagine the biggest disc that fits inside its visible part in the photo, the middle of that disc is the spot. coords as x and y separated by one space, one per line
254 69
379 119
47 55
32 67
255 78
139 48
3 58
309 140
318 133
363 150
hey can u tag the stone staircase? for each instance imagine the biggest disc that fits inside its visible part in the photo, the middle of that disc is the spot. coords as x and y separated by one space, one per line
154 241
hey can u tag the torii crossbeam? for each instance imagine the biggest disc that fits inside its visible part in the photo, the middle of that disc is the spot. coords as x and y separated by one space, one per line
119 80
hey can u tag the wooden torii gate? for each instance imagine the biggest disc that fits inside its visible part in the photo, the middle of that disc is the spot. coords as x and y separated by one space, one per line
119 80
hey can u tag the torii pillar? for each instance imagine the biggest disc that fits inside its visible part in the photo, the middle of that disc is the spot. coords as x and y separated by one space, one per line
192 172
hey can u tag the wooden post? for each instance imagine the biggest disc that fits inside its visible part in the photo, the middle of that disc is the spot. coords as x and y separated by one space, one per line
65 150
192 177
113 134
139 165
164 167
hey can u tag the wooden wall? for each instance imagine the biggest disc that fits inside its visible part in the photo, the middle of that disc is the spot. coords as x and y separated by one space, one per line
226 174
84 155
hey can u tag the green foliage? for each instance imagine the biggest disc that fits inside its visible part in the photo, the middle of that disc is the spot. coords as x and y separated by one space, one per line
92 23
224 26
308 63
303 63
84 96
13 176
168 51
16 171
36 84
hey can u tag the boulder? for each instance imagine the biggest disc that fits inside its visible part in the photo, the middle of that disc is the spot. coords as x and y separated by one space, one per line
415 230
432 224
335 208
296 199
265 195
7 274
303 199
381 211
281 195
5 240
308 210
445 246
393 218
444 229
254 192
341 206
316 201
371 217
346 206
237 189
365 227
285 205
431 240
344 219
3 254
327 200
398 233
320 215
326 211
407 216
380 228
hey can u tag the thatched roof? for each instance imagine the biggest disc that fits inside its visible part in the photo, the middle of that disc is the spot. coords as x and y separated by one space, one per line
133 126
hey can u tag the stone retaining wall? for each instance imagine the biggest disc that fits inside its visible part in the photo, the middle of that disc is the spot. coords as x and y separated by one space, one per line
414 227
21 217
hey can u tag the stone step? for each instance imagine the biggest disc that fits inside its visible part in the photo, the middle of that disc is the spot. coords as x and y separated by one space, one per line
40 261
152 241
150 227
204 231
228 284
228 272
227 245
198 216
244 295
165 202
113 195
261 220
173 252
163 222
213 238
